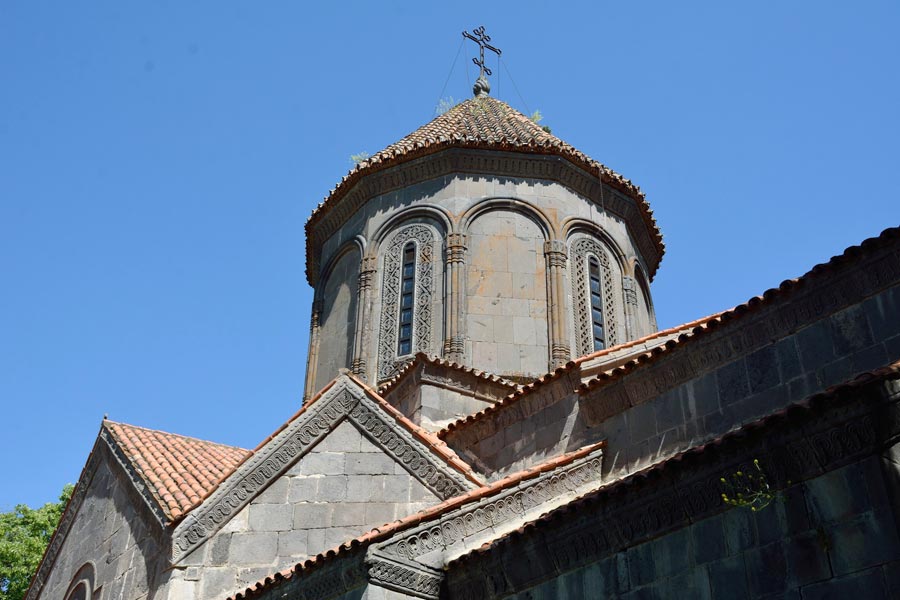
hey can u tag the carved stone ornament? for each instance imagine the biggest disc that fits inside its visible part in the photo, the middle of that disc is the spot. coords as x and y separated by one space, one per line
581 249
458 530
409 578
345 400
423 237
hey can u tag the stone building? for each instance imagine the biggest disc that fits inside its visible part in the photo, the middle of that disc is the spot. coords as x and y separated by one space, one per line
491 412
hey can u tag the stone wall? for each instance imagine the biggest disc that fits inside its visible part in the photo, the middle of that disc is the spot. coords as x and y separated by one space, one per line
117 535
338 300
832 537
343 487
506 321
734 375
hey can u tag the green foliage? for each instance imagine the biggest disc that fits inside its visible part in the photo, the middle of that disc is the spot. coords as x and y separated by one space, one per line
536 118
444 104
24 534
749 489
358 158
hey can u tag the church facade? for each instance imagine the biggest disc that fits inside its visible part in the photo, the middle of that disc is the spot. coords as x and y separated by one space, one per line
491 412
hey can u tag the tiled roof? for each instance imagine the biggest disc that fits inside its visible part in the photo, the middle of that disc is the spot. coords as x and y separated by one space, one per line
178 470
655 472
421 357
693 330
410 521
488 124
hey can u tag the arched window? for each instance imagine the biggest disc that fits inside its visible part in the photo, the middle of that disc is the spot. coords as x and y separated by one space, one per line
407 300
596 295
82 586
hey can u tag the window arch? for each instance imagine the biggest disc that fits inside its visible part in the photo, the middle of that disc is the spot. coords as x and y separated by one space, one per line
408 283
82 585
593 299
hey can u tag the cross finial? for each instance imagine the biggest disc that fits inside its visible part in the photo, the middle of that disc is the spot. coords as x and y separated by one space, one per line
481 86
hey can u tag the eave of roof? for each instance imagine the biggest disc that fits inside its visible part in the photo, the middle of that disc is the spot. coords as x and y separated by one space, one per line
481 123
421 357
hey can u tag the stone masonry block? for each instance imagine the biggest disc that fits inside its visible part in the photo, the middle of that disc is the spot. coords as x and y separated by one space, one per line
322 463
348 514
253 548
867 584
762 369
788 358
276 493
332 488
293 543
733 383
303 489
728 578
369 463
865 541
739 530
709 540
397 488
837 495
850 330
365 488
218 583
672 553
814 343
312 515
379 513
344 438
271 517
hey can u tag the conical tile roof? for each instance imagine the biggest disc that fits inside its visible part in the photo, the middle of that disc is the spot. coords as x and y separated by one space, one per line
481 123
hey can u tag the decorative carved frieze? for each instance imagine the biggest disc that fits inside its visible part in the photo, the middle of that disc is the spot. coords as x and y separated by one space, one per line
582 248
412 579
424 239
464 161
456 248
343 400
459 528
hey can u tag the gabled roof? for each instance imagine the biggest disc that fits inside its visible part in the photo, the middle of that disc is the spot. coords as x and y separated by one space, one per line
178 471
437 361
482 123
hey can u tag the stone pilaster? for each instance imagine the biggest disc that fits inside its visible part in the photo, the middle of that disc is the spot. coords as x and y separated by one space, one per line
555 254
628 286
312 359
454 344
367 269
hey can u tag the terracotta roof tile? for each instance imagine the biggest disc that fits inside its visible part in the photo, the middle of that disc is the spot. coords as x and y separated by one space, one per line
489 124
420 357
178 470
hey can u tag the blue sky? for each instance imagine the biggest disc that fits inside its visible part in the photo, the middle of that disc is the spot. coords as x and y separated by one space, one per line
158 162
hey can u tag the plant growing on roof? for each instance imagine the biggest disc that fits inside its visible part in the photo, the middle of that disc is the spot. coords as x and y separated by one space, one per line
536 118
444 104
358 158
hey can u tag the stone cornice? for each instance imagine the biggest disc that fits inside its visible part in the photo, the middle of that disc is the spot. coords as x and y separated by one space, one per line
344 400
471 161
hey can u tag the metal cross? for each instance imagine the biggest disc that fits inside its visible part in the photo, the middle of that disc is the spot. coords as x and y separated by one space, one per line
482 40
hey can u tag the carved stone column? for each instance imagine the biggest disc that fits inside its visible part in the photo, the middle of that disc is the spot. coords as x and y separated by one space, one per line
312 359
629 289
455 342
363 312
555 254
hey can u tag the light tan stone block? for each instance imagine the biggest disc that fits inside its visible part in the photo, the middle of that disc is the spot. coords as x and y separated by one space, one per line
504 329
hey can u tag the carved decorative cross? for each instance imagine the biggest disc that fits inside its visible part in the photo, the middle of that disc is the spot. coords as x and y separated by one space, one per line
482 40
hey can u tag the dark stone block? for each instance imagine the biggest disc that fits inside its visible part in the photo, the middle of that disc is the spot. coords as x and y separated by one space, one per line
835 372
767 569
807 560
648 592
866 541
606 579
709 540
837 495
767 402
815 346
640 565
871 358
728 578
739 531
850 330
867 585
802 387
793 510
219 549
702 396
788 358
891 573
672 553
642 422
693 584
732 382
669 412
892 348
762 369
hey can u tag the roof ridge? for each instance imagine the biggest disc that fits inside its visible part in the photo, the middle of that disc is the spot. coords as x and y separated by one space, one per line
169 433
422 357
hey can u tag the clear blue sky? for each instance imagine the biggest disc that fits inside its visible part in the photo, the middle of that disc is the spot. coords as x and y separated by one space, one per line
158 162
